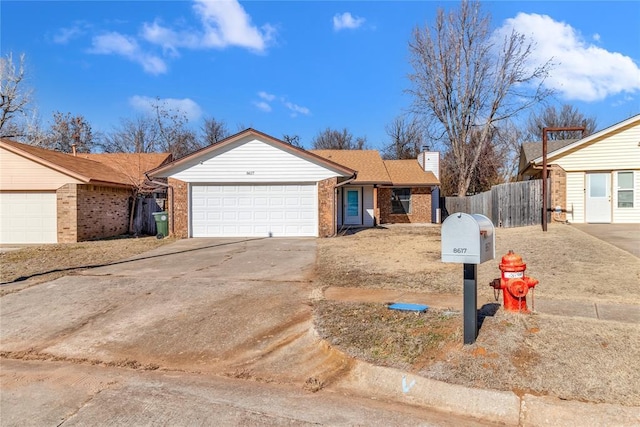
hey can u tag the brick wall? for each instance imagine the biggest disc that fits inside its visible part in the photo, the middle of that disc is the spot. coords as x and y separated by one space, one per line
558 191
326 207
67 213
420 207
90 212
179 208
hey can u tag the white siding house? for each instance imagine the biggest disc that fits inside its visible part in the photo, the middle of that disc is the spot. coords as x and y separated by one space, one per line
252 185
602 174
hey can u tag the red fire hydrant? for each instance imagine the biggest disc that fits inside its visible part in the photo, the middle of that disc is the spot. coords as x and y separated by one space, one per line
514 284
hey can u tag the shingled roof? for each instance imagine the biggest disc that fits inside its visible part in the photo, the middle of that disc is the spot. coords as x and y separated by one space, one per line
409 173
533 150
112 169
373 170
368 163
133 165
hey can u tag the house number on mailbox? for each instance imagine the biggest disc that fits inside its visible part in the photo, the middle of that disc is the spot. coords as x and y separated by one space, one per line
459 250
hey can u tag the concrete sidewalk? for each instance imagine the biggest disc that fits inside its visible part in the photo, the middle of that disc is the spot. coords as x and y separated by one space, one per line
627 313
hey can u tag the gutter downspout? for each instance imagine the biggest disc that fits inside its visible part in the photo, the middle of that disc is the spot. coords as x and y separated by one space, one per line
335 201
162 184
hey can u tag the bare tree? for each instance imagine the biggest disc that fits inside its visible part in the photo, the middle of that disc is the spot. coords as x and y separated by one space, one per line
293 140
214 130
68 131
507 141
174 136
463 81
406 138
486 174
163 131
566 116
138 135
330 139
15 97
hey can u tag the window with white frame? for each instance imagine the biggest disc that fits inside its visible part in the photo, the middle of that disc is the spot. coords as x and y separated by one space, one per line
625 189
401 200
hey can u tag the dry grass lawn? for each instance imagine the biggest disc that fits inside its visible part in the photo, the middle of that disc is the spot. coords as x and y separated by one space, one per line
568 357
36 264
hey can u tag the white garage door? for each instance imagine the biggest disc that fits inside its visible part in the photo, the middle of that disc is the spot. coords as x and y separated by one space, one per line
28 218
254 210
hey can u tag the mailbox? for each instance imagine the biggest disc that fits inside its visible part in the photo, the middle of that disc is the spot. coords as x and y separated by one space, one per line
468 239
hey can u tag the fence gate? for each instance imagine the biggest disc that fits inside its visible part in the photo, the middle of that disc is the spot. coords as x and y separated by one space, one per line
143 222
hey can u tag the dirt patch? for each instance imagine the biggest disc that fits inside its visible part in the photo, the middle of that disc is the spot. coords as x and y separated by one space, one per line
567 357
37 264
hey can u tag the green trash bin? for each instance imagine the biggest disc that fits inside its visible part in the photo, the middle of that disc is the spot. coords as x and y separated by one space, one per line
162 224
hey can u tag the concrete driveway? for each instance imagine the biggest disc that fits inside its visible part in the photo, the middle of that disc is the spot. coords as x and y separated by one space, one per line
233 307
624 236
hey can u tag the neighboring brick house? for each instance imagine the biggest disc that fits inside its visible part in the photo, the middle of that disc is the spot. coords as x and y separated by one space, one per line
595 179
252 184
52 197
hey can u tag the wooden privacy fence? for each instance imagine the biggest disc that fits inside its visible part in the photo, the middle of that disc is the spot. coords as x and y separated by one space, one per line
515 204
143 222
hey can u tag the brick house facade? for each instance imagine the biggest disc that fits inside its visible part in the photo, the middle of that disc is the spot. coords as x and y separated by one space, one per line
420 207
326 207
90 212
178 208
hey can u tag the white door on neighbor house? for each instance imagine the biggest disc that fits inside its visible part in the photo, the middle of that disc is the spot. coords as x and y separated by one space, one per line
598 200
352 206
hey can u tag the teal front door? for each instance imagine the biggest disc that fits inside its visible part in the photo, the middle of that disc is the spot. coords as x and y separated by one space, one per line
352 206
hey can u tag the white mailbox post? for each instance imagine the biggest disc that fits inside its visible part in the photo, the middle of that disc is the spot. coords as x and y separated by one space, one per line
469 240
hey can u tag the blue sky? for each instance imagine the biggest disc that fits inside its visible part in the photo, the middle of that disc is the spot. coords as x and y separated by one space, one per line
294 67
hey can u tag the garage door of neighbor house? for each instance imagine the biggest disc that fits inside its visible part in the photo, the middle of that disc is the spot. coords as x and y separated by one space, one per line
28 218
288 210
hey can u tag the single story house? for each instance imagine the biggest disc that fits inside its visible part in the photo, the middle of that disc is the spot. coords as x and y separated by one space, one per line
252 184
384 191
595 179
52 197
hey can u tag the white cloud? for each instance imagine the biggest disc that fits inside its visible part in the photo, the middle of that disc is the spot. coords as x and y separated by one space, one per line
263 106
117 44
170 40
266 96
296 109
596 37
145 104
582 71
266 99
346 20
65 35
224 23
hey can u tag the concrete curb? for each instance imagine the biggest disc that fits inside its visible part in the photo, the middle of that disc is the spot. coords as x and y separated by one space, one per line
388 383
537 411
489 405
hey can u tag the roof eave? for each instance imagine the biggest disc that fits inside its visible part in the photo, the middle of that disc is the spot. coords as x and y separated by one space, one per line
380 183
44 162
413 184
588 139
110 184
